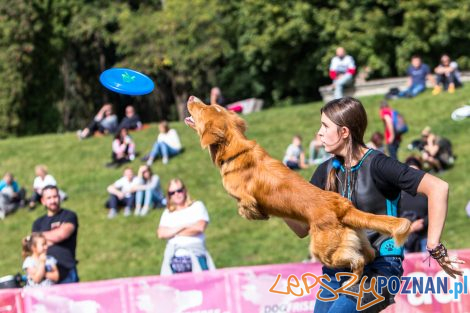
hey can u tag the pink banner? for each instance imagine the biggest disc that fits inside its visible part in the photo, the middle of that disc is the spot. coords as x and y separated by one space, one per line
256 289
10 301
200 292
441 302
252 287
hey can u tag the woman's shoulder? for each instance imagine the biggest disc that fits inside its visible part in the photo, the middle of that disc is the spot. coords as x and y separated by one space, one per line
198 204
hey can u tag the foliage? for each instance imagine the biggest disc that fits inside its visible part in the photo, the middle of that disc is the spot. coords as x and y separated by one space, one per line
52 52
128 246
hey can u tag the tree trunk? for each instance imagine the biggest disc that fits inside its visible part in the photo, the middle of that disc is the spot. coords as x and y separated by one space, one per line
180 88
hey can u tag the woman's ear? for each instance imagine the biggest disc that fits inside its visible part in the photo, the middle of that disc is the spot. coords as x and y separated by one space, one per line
345 132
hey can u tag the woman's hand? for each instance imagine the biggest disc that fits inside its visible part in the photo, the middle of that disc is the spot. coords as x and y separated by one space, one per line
439 253
447 265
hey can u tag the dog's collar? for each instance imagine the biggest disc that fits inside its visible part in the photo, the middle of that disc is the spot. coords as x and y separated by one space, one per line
230 159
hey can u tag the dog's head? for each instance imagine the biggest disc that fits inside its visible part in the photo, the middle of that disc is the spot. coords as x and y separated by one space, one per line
213 123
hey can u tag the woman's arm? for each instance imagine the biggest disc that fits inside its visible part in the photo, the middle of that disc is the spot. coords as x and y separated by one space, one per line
437 192
195 229
299 228
167 232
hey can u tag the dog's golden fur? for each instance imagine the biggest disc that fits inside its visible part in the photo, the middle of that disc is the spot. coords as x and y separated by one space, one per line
263 186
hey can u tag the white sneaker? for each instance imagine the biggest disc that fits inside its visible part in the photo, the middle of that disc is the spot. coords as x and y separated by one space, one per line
165 160
112 213
137 211
127 212
144 211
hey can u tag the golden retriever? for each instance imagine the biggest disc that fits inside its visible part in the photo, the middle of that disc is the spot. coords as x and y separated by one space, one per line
263 186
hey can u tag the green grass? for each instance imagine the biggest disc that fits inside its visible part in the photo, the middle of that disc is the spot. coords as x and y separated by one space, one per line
128 246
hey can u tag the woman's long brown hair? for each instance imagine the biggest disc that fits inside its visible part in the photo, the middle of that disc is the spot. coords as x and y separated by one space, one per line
347 112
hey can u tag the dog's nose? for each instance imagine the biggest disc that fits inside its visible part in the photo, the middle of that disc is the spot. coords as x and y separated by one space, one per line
191 98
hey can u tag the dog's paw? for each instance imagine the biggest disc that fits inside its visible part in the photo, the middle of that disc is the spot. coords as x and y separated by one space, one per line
252 214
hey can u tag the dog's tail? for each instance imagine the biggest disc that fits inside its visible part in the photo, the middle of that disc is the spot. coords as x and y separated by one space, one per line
398 228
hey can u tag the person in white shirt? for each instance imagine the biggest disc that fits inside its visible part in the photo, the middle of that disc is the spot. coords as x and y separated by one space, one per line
122 194
148 190
342 70
168 144
42 180
183 224
294 158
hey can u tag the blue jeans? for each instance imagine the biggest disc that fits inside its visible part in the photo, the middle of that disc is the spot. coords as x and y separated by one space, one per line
393 149
386 266
114 202
161 149
340 83
412 91
145 197
72 277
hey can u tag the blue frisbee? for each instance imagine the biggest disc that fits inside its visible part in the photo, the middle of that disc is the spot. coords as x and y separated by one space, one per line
126 81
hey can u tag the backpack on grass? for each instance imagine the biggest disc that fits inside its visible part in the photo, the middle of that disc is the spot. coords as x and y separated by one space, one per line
399 123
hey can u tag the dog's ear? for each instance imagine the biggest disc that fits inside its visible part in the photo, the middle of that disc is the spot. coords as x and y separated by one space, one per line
239 123
211 135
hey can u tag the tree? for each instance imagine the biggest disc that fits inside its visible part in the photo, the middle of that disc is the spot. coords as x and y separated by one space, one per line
182 42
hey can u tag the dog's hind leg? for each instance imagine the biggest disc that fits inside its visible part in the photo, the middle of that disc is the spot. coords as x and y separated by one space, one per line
396 227
366 247
349 255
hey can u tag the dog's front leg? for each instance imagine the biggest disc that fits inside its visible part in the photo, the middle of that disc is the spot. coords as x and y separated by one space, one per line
250 211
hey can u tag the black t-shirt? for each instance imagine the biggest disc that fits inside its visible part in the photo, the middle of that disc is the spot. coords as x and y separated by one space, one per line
389 175
130 122
415 208
63 251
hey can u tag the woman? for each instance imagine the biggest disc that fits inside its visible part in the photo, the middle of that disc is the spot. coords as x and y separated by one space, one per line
104 122
148 191
373 182
167 145
183 224
123 148
294 158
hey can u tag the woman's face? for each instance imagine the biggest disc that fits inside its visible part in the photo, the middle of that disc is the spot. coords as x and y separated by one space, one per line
330 137
146 174
177 193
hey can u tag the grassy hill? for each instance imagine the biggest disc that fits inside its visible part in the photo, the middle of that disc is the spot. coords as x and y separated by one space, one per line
128 246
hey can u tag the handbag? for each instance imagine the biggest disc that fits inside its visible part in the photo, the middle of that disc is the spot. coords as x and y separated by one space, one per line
181 264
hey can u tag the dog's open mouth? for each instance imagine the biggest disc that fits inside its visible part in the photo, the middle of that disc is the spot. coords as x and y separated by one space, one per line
189 121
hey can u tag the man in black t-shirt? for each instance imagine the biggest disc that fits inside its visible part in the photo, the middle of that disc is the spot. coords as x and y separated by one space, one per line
131 120
60 227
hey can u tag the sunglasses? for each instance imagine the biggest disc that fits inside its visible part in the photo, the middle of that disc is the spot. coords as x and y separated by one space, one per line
170 193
